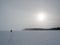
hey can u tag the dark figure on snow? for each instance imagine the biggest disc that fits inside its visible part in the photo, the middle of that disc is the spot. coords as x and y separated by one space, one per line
11 30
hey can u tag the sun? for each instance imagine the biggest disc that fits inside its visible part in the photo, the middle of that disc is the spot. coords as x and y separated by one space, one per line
41 16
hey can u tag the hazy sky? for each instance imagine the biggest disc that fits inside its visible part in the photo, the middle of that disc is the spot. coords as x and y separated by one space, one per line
18 14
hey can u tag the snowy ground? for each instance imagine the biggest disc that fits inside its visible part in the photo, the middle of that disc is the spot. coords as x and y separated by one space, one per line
30 38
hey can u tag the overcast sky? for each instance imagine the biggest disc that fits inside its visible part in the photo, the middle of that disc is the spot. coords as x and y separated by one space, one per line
19 14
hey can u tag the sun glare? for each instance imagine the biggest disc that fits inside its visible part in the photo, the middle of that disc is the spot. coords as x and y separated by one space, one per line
41 17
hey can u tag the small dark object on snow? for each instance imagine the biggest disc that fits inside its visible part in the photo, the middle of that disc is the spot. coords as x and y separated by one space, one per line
10 30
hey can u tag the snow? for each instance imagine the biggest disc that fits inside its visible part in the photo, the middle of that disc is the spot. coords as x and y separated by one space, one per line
30 38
